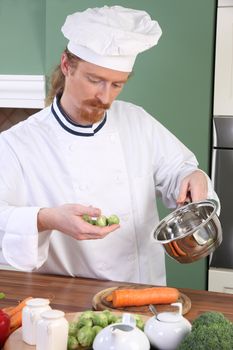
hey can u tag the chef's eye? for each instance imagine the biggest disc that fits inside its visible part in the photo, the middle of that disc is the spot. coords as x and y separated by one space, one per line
93 80
118 85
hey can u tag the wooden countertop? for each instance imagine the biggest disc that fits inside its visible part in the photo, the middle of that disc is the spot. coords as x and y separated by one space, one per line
71 294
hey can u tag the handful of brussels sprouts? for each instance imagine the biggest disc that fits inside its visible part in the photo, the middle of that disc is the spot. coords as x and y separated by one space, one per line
102 220
82 332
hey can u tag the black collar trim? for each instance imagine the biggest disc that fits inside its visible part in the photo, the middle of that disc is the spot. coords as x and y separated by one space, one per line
70 126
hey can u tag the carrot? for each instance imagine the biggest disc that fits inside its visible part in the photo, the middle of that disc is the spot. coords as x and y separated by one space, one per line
146 296
18 307
178 249
16 320
109 297
7 309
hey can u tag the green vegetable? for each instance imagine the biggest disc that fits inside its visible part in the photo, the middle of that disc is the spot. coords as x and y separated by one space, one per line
73 328
97 329
110 316
84 322
139 321
208 318
89 314
101 221
89 324
210 331
87 218
100 320
72 343
113 219
85 336
2 295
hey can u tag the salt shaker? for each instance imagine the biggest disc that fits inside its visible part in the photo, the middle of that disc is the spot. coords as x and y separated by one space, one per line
52 331
30 315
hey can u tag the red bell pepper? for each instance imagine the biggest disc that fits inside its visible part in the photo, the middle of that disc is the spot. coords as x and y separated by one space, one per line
4 327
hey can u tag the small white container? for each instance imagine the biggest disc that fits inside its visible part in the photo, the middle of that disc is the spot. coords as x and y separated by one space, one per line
166 330
52 331
30 315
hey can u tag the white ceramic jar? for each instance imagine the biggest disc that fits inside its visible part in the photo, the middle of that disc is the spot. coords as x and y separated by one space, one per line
166 330
30 315
52 331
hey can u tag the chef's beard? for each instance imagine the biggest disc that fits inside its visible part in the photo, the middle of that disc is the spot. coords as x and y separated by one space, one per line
92 111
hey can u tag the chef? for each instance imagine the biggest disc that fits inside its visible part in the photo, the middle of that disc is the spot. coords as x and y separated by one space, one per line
88 153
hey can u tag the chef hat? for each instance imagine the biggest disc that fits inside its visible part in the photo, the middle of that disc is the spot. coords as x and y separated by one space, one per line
110 37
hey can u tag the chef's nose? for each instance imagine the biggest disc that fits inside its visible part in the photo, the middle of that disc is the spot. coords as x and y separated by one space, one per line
104 93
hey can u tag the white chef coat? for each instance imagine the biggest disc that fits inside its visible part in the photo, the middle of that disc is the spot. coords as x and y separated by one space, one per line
119 165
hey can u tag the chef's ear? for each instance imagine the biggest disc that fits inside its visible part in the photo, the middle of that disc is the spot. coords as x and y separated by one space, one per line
64 64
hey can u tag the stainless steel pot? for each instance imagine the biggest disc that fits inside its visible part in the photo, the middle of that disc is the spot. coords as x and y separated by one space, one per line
190 232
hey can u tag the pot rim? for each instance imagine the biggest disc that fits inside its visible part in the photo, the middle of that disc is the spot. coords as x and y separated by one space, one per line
211 202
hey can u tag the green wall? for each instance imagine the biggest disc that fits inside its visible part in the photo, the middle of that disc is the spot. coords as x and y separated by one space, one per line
172 81
22 36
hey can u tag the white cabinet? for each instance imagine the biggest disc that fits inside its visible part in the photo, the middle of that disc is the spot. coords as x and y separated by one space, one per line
223 89
220 280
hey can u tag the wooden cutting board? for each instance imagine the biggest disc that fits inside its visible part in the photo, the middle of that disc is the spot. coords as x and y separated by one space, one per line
100 303
15 342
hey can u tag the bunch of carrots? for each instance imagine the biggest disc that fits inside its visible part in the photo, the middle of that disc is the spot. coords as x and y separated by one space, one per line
15 314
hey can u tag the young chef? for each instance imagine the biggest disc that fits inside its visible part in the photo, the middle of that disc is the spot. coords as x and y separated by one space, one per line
89 154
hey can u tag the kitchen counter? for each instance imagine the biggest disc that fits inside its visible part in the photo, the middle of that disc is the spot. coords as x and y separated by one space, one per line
71 294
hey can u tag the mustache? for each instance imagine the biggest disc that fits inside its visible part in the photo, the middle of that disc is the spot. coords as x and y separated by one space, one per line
97 104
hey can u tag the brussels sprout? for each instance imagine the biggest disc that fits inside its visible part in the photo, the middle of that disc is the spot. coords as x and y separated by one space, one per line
110 316
87 314
86 335
97 329
72 343
73 328
101 221
100 320
139 321
87 218
84 322
113 219
119 319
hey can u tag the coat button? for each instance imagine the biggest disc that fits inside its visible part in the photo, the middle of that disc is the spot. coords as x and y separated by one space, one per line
112 138
72 147
83 187
125 218
131 257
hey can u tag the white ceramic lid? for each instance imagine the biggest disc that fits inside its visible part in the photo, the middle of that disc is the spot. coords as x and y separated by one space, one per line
169 317
37 302
52 314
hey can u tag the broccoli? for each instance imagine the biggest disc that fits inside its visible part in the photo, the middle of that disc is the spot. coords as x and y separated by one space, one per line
208 318
210 331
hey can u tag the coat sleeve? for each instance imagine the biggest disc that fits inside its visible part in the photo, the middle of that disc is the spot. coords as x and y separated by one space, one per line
172 162
19 239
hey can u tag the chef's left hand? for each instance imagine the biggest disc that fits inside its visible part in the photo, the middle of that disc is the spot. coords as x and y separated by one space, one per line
193 187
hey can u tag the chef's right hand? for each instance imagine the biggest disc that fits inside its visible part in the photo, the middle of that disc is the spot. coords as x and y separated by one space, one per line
67 218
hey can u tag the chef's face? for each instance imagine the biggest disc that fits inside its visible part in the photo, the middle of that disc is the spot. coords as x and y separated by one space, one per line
89 90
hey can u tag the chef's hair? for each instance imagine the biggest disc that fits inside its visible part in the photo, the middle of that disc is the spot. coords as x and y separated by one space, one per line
57 78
